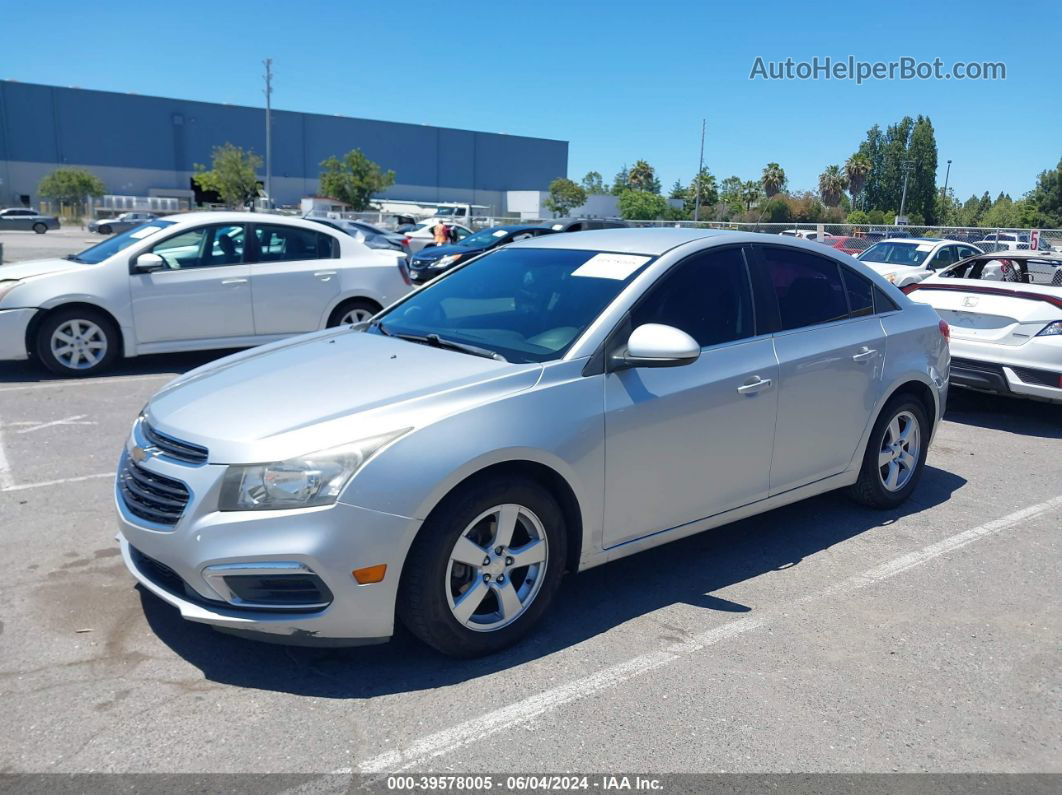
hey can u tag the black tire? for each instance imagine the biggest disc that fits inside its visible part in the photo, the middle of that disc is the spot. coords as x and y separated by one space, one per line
422 599
353 305
104 230
58 318
870 489
40 228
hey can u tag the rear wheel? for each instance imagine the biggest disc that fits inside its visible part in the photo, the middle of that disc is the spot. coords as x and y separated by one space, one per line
40 228
895 455
105 229
77 342
357 310
484 568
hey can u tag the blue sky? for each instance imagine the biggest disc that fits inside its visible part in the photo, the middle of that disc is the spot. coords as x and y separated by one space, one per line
619 80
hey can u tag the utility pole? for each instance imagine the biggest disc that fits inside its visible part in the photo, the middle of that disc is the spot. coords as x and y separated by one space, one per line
700 168
944 194
906 166
269 131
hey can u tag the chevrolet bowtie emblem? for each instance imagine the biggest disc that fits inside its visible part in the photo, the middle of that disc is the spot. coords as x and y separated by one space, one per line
139 454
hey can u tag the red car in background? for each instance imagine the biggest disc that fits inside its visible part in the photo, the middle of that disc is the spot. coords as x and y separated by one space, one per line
849 245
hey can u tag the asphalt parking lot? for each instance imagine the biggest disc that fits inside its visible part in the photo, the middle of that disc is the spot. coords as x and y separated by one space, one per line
818 637
20 246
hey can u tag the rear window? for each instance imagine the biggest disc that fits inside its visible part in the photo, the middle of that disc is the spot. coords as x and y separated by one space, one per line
910 254
1008 269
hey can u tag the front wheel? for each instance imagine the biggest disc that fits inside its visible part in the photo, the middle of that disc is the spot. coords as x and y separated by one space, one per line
356 311
895 455
484 568
40 228
105 230
77 342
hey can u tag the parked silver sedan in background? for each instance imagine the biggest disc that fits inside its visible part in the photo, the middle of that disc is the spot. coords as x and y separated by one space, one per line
109 226
23 219
547 407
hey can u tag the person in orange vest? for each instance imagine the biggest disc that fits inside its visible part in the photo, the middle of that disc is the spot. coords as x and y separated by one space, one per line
442 234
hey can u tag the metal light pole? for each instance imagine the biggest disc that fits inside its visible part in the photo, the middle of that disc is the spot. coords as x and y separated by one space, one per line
947 174
269 131
700 168
906 173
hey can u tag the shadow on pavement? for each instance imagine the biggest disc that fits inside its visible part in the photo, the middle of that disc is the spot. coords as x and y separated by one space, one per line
686 571
1000 413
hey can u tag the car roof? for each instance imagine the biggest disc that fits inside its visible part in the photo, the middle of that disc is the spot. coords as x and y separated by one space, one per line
652 241
933 240
239 217
1022 253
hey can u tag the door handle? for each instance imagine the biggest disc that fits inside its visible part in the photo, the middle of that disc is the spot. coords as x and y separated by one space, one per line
229 282
864 355
324 276
754 386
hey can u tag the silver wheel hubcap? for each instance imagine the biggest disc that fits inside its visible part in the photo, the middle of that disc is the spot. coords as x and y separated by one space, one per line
79 344
901 445
496 568
355 316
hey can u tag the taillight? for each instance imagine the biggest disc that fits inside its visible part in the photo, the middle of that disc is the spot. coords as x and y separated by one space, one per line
403 268
405 241
907 289
945 330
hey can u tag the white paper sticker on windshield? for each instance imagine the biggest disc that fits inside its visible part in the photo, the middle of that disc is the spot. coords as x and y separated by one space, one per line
924 247
147 230
500 233
610 266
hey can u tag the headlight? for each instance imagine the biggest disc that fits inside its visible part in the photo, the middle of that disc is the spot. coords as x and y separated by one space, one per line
7 285
314 479
1050 330
449 259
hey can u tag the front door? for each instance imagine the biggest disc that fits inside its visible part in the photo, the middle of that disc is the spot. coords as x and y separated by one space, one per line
204 292
683 443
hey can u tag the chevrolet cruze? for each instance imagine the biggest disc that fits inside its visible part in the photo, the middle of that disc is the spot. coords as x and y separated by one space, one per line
543 408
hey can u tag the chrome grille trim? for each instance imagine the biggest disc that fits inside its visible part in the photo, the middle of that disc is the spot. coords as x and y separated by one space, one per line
173 448
151 496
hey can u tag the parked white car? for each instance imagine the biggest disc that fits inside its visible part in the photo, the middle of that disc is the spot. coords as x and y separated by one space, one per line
806 234
906 260
422 235
195 281
1005 313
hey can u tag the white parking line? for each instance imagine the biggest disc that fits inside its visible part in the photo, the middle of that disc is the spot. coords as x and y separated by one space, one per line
76 419
10 486
89 381
525 711
7 480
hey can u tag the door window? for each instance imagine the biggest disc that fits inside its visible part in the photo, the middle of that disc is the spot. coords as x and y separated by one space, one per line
808 288
945 257
708 296
205 246
860 293
277 243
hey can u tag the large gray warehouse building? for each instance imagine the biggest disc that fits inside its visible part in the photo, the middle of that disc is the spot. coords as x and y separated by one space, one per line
144 146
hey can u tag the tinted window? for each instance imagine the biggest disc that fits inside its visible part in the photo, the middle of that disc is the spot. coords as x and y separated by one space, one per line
945 257
278 243
808 288
202 247
860 293
909 254
882 302
707 296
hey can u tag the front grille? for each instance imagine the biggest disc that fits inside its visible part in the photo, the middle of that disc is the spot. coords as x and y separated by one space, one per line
173 448
1041 377
151 496
159 573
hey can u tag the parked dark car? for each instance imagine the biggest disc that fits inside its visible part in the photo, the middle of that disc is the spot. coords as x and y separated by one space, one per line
27 220
582 224
374 238
432 261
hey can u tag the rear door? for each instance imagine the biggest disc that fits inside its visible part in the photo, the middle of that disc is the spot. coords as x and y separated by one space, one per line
294 277
830 350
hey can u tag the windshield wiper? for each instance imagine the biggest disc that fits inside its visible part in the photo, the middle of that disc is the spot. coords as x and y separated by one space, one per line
435 341
74 258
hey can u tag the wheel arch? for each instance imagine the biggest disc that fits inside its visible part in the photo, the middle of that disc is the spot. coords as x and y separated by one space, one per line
343 300
39 317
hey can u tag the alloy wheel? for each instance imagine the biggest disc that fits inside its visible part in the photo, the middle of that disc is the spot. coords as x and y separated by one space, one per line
898 456
79 344
355 316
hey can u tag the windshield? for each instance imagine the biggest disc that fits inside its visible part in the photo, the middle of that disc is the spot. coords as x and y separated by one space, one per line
112 245
527 304
1008 269
897 253
484 238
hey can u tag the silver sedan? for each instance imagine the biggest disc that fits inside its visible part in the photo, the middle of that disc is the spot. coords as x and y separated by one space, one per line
543 408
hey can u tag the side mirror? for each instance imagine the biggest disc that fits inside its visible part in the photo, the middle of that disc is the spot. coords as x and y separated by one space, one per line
149 263
656 345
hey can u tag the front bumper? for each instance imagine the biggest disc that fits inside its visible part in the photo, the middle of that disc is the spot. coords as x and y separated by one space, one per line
330 541
13 325
1029 370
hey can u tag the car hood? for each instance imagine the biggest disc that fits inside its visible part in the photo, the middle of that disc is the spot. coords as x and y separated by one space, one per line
324 389
37 267
438 252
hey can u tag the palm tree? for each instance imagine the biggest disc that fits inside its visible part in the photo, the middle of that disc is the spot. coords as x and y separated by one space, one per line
857 169
773 179
642 176
750 192
832 183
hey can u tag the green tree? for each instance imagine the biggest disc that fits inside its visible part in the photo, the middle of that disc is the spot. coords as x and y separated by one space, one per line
970 212
750 193
71 186
730 190
564 196
643 177
678 191
897 139
872 149
857 169
1003 213
642 205
354 180
922 190
709 191
232 175
773 179
593 183
776 211
1043 204
857 217
622 181
876 216
832 183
